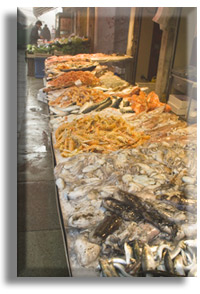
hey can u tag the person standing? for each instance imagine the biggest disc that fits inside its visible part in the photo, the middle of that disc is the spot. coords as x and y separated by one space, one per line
34 33
45 33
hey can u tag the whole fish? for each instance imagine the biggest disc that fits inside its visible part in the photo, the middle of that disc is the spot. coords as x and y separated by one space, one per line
120 208
168 262
178 265
136 250
121 270
107 268
128 252
148 262
109 224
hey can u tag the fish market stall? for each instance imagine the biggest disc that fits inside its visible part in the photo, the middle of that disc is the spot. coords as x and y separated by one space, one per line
126 173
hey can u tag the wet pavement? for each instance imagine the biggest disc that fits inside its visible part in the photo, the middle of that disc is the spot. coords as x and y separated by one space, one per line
40 248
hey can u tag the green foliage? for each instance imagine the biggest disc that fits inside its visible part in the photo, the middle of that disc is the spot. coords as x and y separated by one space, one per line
72 46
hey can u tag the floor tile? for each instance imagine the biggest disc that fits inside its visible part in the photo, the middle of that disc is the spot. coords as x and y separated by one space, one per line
41 254
35 167
36 206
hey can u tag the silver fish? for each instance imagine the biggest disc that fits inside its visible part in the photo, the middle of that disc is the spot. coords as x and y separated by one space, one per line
128 252
121 269
108 269
178 265
159 254
148 262
168 262
117 260
177 249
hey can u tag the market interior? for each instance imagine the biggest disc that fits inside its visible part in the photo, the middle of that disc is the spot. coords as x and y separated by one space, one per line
107 163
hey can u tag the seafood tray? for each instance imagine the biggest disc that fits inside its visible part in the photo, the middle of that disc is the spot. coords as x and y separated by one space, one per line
99 197
127 209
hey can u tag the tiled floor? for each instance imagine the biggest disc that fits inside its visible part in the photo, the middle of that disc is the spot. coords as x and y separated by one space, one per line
40 244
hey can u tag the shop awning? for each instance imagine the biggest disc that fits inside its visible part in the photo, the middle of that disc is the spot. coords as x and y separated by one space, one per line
37 11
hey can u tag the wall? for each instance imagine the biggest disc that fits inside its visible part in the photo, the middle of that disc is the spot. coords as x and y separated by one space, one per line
145 43
111 29
187 31
121 29
104 29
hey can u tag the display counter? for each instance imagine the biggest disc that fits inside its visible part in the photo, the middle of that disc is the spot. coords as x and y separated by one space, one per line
125 171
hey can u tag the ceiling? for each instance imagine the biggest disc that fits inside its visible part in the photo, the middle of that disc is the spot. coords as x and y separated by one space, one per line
37 11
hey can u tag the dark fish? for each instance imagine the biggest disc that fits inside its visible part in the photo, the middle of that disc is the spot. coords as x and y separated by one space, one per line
182 203
133 268
104 105
117 103
89 68
168 262
136 250
126 103
133 201
109 224
120 208
147 258
148 211
95 105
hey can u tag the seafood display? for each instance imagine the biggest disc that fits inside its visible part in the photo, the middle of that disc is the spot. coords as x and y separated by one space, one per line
78 96
126 173
78 57
94 133
129 196
70 79
55 70
112 82
143 260
140 101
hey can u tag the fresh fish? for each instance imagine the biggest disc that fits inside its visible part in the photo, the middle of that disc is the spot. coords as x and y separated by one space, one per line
193 271
107 103
109 224
148 262
94 106
133 268
121 269
117 103
181 245
128 252
168 262
146 210
117 260
160 249
178 265
136 250
181 203
120 208
108 269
